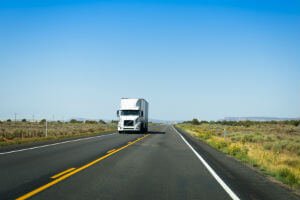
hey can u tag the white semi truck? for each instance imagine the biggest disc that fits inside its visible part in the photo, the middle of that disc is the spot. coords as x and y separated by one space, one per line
133 115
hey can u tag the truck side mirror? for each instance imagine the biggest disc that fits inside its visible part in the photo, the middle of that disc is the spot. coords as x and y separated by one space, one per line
142 113
118 113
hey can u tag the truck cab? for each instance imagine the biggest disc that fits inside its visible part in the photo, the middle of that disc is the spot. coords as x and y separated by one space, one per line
133 115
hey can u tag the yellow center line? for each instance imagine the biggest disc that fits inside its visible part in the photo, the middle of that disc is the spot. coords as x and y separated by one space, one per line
111 150
62 173
63 177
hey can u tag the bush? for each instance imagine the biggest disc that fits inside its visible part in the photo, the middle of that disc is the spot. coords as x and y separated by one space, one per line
295 123
267 146
43 121
90 122
204 122
218 143
73 121
9 120
195 122
102 122
237 151
24 120
205 135
287 176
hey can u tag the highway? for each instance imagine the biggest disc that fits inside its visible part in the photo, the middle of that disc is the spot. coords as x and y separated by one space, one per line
164 164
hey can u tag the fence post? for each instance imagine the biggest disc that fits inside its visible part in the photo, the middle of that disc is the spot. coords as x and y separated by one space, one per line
225 132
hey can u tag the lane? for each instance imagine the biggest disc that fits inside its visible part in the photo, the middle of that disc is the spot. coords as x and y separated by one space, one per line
17 149
23 171
210 169
161 166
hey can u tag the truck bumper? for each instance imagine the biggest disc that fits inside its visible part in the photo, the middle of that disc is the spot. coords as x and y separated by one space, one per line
129 128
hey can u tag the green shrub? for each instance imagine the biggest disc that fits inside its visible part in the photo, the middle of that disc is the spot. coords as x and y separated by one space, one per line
91 122
292 163
195 122
218 144
293 147
267 146
282 145
286 176
205 135
295 122
237 151
74 121
102 122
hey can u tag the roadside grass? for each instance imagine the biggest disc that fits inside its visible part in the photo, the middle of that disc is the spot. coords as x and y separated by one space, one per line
12 133
272 148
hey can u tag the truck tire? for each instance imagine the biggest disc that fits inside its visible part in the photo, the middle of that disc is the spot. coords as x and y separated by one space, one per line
142 128
145 128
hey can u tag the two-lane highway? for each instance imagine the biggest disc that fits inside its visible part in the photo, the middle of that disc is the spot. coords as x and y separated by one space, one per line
158 165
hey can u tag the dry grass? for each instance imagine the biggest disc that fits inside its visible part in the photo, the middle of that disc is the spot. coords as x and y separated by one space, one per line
272 148
25 132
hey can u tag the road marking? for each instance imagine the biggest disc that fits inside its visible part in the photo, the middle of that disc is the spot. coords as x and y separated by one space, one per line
58 143
111 150
212 172
63 177
62 173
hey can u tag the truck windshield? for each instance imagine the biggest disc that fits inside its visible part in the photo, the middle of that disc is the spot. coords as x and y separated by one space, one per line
130 112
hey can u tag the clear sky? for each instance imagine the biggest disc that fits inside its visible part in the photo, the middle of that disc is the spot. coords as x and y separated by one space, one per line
204 59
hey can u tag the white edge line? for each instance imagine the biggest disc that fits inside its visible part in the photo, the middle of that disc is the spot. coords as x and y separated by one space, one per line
213 173
48 145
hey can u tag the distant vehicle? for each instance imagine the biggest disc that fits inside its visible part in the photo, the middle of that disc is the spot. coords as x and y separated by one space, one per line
133 115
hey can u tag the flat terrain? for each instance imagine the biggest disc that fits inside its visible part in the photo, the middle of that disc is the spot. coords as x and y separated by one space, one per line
271 147
158 165
20 132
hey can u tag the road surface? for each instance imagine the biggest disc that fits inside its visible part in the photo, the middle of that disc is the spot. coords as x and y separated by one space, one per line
164 164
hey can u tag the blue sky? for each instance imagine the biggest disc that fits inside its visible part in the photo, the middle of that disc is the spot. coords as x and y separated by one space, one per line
204 59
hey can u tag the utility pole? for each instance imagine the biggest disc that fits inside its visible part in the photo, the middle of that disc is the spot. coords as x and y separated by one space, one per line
46 128
15 120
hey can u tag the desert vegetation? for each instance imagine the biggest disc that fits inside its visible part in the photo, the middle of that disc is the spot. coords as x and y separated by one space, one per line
272 147
23 131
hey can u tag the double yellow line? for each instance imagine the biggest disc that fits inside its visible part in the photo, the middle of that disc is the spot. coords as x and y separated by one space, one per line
67 173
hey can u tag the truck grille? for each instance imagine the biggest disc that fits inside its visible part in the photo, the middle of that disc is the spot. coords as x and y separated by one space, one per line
128 122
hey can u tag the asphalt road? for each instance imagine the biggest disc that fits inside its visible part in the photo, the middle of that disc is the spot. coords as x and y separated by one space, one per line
158 165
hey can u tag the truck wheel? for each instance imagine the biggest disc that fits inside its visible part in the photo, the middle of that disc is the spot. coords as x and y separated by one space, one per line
142 128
